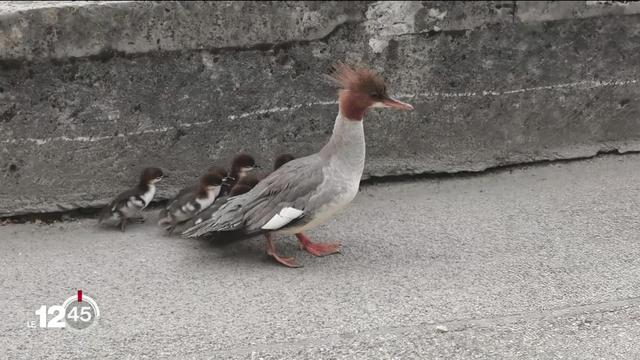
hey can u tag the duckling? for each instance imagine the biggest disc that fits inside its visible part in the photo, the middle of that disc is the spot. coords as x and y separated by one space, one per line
190 204
238 189
217 170
281 160
241 165
128 205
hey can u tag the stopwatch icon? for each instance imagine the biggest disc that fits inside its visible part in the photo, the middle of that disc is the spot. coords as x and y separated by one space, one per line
81 311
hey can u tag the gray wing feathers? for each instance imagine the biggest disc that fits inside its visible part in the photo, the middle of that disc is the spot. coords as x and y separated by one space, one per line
292 185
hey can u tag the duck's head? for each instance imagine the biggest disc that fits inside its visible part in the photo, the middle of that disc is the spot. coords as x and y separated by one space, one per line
361 89
210 181
281 160
151 175
242 163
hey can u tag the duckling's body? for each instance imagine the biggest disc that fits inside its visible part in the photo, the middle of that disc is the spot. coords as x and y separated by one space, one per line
128 205
188 205
217 170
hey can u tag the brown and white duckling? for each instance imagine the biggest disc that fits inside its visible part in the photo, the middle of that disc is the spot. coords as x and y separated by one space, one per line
238 189
216 170
241 165
189 205
128 205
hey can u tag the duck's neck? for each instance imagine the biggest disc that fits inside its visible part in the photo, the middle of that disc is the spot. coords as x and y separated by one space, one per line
144 186
346 146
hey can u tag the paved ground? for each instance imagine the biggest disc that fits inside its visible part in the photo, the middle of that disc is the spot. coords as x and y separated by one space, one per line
541 262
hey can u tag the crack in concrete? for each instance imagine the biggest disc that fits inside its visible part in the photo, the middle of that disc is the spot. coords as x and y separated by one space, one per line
107 53
579 85
278 45
90 209
450 325
372 179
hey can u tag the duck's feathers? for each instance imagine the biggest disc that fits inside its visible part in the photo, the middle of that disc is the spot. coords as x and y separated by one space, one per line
291 186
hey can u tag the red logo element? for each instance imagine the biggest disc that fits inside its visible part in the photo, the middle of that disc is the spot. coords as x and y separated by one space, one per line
79 295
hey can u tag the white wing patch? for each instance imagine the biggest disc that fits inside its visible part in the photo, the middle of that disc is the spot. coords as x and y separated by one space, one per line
282 218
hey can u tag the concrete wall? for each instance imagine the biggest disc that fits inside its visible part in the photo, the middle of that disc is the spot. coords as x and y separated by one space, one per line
92 92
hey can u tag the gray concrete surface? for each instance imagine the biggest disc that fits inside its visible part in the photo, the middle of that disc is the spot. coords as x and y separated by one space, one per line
91 93
37 31
540 262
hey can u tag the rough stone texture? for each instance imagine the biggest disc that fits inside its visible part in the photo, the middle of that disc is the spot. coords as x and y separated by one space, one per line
531 11
539 262
139 27
119 86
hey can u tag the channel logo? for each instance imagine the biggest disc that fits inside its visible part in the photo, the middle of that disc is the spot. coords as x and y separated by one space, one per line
78 312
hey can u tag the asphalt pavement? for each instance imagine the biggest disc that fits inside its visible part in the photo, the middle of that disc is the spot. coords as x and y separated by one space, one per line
535 262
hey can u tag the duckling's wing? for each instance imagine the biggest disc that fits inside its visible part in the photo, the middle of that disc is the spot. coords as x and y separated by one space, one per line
184 191
131 197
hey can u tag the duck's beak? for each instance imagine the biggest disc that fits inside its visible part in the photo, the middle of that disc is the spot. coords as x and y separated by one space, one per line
396 104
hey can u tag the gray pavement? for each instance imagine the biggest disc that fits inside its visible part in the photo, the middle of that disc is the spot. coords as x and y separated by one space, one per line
540 262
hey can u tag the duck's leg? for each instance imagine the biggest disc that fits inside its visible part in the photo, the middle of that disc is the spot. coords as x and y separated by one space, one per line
317 249
123 224
271 251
